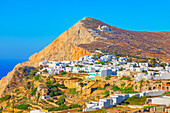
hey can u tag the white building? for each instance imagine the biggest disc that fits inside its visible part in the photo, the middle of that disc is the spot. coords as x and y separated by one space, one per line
163 100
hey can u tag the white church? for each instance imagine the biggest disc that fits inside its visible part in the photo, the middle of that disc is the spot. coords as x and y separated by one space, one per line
104 28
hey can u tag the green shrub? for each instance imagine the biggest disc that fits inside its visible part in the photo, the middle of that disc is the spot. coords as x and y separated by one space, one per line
79 110
23 106
81 71
127 90
107 78
141 83
33 92
115 88
106 92
56 73
166 93
36 77
121 69
50 100
63 73
33 72
61 100
63 107
100 63
53 89
126 78
136 100
123 84
5 98
73 91
16 90
28 85
99 88
61 86
147 107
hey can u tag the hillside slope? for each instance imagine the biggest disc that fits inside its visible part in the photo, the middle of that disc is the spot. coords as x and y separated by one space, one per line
83 39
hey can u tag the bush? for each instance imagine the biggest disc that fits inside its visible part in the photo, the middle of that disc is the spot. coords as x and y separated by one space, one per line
33 92
126 78
108 77
115 88
53 89
50 100
99 88
123 84
67 65
56 73
73 91
106 92
36 77
5 98
100 63
28 85
166 93
81 71
79 110
63 73
33 72
23 106
61 86
63 107
121 69
136 100
61 100
16 90
127 90
141 83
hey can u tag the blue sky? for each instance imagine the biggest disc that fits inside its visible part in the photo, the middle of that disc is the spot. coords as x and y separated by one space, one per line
27 26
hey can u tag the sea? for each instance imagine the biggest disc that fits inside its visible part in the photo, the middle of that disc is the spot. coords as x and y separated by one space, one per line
7 65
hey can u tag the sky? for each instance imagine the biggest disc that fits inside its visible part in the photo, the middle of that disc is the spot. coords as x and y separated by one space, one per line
27 26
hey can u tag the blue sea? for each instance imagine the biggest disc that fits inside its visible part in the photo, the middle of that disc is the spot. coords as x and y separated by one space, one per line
7 65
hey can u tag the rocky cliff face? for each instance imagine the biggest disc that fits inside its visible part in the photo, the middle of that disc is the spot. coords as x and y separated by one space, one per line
65 46
83 38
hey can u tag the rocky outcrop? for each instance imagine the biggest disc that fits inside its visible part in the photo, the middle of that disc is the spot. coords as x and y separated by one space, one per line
14 79
65 46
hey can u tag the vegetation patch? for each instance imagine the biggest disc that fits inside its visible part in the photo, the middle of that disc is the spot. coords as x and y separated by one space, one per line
33 92
63 107
106 92
73 91
63 73
115 88
126 78
61 100
23 106
81 71
123 84
5 98
127 90
99 88
136 100
36 77
108 77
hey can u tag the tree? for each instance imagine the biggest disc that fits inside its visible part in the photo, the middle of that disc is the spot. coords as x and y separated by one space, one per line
36 77
63 73
152 62
115 53
121 69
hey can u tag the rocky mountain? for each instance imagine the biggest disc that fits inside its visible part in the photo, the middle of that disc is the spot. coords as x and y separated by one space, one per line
85 37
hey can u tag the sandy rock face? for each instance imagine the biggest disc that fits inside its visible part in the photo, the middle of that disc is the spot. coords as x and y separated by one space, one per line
65 46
